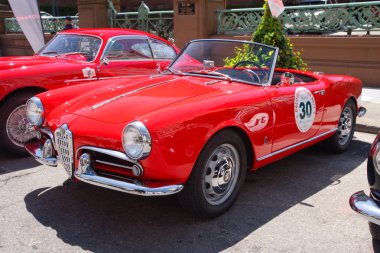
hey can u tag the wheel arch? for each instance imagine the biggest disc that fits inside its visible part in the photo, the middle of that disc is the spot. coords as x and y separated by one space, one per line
246 140
29 89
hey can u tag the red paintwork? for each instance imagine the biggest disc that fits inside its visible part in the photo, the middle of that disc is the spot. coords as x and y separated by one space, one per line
42 73
183 112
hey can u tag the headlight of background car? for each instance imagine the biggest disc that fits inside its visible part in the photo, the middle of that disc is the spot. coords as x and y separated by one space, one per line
136 140
376 157
35 111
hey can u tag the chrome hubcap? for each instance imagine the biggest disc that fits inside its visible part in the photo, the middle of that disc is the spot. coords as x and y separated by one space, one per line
18 128
221 174
345 125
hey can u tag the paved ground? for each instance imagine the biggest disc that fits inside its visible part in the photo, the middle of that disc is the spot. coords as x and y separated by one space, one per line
370 122
299 204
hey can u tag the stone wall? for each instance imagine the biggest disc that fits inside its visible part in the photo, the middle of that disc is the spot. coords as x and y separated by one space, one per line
17 44
350 55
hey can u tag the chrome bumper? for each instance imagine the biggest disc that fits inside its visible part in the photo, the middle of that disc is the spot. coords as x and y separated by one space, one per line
88 175
366 207
35 150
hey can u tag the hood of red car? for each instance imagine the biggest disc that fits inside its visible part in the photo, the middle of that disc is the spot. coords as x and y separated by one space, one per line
23 61
132 100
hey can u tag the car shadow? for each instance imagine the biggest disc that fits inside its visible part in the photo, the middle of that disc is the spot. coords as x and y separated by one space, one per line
101 220
11 163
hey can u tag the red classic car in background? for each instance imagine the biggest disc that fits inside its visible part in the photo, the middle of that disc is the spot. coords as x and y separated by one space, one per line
73 57
195 129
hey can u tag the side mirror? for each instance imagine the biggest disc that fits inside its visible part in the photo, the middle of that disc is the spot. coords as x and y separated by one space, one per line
104 61
287 78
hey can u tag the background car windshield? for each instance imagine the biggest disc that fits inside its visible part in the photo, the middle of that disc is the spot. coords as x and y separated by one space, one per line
242 61
87 46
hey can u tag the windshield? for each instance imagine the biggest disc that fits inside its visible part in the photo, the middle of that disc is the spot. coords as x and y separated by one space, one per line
227 59
86 47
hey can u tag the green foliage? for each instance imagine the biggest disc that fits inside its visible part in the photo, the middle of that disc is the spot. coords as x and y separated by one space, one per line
247 53
271 32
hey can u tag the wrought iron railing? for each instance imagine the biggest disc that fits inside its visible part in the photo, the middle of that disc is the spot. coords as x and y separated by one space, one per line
49 24
302 19
156 22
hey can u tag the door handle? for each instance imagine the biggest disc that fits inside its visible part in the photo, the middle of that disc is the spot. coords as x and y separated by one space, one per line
322 92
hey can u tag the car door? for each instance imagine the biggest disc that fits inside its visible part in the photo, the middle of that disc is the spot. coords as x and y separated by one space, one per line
126 56
298 110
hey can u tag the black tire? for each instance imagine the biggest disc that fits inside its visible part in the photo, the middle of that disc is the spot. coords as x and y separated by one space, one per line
7 144
374 229
341 140
225 157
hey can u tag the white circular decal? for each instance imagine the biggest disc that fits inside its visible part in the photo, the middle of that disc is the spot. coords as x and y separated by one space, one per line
304 109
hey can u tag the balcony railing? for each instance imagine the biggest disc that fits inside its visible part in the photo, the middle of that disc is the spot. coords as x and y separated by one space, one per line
49 24
156 22
305 19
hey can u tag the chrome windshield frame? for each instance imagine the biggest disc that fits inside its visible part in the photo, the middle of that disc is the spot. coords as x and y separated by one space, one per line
272 69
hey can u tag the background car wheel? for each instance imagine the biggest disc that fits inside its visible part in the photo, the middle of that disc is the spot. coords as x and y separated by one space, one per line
341 140
217 176
14 127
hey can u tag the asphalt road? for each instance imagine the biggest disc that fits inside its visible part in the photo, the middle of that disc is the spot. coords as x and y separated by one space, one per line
298 204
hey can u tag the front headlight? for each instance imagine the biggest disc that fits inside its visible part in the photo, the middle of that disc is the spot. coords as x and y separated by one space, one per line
35 111
136 140
376 157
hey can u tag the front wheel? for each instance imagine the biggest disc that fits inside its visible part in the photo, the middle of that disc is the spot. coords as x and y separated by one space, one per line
15 129
217 176
341 140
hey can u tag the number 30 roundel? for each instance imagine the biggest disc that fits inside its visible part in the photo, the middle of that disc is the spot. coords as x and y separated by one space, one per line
304 109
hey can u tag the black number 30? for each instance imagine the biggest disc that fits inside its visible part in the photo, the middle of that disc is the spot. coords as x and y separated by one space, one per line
305 109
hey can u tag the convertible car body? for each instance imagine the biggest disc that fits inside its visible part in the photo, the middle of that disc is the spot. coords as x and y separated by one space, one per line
195 129
70 58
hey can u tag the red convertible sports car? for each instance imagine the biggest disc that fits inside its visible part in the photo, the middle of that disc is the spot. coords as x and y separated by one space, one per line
195 129
73 57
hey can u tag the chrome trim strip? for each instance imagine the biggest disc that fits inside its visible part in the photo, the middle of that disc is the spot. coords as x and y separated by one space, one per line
113 164
89 176
113 153
94 107
366 207
272 69
296 145
80 80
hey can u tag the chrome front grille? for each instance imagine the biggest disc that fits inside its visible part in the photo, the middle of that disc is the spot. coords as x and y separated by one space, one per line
65 148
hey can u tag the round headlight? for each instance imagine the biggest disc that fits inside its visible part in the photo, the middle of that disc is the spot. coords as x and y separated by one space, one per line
35 111
136 140
376 157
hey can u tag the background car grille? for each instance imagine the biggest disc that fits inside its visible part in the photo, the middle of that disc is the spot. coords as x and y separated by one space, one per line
65 149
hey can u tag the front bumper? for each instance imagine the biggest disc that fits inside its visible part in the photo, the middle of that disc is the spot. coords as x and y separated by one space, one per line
88 175
36 151
366 207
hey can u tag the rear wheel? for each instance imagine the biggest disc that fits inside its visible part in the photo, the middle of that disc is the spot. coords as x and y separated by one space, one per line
15 129
341 140
217 176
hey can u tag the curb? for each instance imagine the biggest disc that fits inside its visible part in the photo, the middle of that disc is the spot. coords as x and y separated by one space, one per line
367 129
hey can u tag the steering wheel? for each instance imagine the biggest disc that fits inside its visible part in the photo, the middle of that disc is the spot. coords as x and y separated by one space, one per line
250 72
